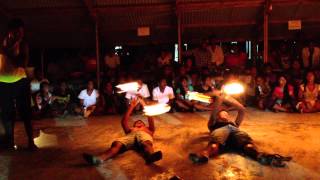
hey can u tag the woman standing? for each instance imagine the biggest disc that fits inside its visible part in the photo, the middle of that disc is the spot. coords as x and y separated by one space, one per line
14 85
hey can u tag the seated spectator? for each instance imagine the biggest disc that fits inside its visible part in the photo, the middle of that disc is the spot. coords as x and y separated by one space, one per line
182 73
194 79
189 65
63 99
282 98
110 100
142 93
206 85
163 93
42 102
249 81
309 95
262 91
183 104
165 58
270 76
88 99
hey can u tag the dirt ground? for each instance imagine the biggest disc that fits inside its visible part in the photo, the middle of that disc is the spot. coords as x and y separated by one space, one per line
62 141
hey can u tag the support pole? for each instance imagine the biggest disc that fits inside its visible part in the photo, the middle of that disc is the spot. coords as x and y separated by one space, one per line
97 53
266 31
179 32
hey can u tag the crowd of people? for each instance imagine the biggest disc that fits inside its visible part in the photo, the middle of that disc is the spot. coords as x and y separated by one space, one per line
285 84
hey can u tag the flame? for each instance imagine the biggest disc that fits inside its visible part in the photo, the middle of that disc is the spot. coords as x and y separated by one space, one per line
156 109
198 97
233 88
132 86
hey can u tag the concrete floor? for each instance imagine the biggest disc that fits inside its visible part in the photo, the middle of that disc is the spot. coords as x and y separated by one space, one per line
62 142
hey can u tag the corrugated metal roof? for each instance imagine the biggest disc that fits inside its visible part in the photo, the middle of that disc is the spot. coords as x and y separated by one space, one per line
119 19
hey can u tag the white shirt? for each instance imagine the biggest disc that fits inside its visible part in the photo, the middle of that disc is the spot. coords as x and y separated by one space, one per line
163 97
143 91
112 62
88 100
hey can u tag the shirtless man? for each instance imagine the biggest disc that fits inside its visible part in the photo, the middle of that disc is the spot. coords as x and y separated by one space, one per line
139 137
225 133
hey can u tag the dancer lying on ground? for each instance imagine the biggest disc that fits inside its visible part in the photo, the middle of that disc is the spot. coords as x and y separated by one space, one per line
225 133
139 137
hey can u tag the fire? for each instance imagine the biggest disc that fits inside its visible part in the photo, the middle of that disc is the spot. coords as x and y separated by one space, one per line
198 97
132 86
156 109
233 88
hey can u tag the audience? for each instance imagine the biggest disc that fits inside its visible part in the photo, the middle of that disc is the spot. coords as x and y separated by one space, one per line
143 93
309 95
282 98
163 93
88 99
63 100
278 86
42 102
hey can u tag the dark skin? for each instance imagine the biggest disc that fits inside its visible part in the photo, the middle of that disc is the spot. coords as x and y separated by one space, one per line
138 126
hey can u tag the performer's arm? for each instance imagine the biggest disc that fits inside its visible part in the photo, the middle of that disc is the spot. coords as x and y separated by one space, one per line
214 113
125 119
238 106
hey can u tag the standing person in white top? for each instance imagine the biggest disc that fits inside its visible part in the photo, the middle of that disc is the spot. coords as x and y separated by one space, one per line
217 56
311 56
111 60
88 99
142 92
163 93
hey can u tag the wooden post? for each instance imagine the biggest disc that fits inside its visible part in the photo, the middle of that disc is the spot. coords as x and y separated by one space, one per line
179 33
266 31
97 53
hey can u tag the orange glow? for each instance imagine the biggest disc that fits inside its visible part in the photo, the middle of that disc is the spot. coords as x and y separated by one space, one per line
233 88
132 86
198 97
156 109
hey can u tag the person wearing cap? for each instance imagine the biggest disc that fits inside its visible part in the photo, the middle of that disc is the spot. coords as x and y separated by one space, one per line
14 85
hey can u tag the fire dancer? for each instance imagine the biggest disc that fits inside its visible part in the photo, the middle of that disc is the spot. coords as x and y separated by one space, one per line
225 133
14 85
139 137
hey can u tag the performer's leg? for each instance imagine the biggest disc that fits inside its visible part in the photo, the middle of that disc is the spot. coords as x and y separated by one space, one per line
251 151
114 150
211 150
149 154
23 103
8 113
